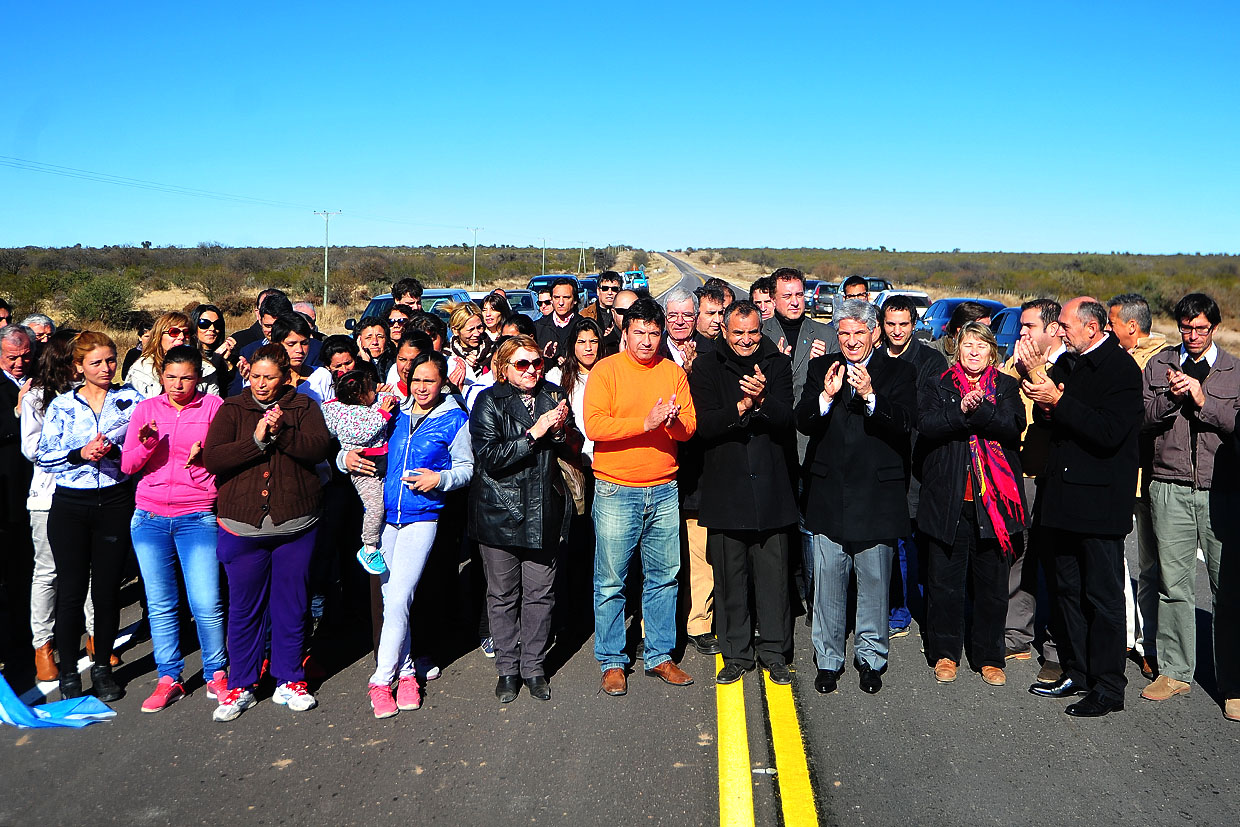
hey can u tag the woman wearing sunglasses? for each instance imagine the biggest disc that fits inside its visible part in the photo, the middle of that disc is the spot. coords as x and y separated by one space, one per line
207 330
169 331
519 509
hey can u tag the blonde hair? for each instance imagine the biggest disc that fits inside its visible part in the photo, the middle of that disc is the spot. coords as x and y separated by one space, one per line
499 362
156 341
978 331
459 314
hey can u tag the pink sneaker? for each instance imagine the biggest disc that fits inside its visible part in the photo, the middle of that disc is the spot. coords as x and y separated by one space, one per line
381 700
217 685
166 691
408 693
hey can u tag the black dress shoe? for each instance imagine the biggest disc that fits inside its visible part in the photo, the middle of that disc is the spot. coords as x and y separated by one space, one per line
707 644
827 680
1065 687
507 688
70 686
730 673
870 680
1095 705
539 687
105 686
779 673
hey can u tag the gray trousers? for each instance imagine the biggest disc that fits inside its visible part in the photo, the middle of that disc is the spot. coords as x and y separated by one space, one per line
1185 519
520 597
1023 589
43 586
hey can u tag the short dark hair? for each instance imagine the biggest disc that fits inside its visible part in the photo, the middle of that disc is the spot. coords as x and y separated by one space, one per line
276 305
565 281
786 274
5 306
899 302
263 295
407 285
645 310
415 338
1133 308
1197 304
369 321
762 285
712 292
723 286
853 281
336 344
274 353
350 385
524 323
402 307
293 323
744 307
1048 310
965 312
610 275
434 357
184 354
144 320
544 288
428 323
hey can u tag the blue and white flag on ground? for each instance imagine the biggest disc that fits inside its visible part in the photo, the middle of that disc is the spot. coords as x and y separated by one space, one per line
75 712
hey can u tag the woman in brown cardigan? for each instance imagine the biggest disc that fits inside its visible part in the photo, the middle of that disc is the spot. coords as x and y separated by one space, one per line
262 446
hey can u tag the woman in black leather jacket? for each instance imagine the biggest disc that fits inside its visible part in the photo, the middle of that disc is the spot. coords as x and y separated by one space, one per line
519 508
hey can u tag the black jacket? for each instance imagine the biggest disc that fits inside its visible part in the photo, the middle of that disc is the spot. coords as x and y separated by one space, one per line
857 466
1090 481
944 432
689 454
746 483
517 496
546 330
15 469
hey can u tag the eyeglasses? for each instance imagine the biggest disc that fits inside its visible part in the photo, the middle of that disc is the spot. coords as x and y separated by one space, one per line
176 331
397 320
682 315
541 302
1197 331
523 365
610 288
203 324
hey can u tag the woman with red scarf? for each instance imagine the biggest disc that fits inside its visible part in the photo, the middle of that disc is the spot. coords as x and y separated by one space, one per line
972 502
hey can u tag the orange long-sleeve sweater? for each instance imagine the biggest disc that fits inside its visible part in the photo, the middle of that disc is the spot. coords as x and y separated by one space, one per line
619 394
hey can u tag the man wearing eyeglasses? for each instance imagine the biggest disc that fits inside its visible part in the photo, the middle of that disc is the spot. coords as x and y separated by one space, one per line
609 285
1192 399
544 301
42 327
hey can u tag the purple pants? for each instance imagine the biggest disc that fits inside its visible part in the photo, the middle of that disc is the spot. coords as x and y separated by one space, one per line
266 576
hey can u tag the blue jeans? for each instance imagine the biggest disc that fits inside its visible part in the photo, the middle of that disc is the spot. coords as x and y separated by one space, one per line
906 588
160 543
833 563
624 518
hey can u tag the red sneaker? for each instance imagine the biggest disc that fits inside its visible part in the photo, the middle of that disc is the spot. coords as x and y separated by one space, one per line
166 692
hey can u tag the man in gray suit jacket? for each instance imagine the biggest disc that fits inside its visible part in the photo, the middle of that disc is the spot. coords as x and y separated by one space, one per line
802 339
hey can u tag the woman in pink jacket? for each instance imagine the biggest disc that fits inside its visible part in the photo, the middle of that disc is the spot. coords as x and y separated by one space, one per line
174 522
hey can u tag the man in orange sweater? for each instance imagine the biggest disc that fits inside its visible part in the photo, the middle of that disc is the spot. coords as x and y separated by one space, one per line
637 407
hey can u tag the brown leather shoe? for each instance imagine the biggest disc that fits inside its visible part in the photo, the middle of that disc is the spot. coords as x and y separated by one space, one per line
1165 687
614 682
669 672
45 664
993 675
1231 709
90 653
1050 672
945 670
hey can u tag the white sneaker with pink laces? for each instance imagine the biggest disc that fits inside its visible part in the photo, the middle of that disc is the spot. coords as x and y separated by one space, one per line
295 696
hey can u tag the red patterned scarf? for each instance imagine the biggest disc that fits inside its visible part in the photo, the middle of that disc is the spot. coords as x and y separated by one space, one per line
996 483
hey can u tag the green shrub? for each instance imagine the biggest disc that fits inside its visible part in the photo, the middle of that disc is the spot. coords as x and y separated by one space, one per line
106 298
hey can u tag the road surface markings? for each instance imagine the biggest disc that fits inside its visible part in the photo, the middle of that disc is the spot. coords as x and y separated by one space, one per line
796 793
735 782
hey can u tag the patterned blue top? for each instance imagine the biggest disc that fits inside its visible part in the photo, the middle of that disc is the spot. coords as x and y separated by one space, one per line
70 424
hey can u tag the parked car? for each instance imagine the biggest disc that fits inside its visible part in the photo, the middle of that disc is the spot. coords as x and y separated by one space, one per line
919 298
822 301
811 287
544 281
523 302
1006 325
636 280
587 290
939 313
433 301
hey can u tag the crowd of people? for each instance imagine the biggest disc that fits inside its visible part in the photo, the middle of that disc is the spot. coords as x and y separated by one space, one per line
754 463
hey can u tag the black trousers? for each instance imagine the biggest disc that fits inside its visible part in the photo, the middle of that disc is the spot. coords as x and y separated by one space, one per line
1087 593
732 556
89 535
951 568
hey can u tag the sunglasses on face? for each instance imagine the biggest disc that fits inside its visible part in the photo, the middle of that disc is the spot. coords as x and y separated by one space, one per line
203 324
611 288
541 302
176 331
397 320
525 364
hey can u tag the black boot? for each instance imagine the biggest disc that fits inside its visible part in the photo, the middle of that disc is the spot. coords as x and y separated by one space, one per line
70 685
105 686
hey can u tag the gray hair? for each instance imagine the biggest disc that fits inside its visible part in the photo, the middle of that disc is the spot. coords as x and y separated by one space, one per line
14 334
1092 311
40 320
1133 308
858 310
679 294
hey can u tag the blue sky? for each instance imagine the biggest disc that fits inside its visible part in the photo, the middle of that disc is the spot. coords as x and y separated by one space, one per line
1034 127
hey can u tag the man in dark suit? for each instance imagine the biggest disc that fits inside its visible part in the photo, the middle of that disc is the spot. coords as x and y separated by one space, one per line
1092 404
551 330
16 550
274 306
857 412
254 332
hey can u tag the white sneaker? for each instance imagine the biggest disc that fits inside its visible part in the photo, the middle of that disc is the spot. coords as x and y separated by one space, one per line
294 695
426 668
232 704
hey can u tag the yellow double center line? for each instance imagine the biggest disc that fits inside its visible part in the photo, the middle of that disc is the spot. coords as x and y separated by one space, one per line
796 794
